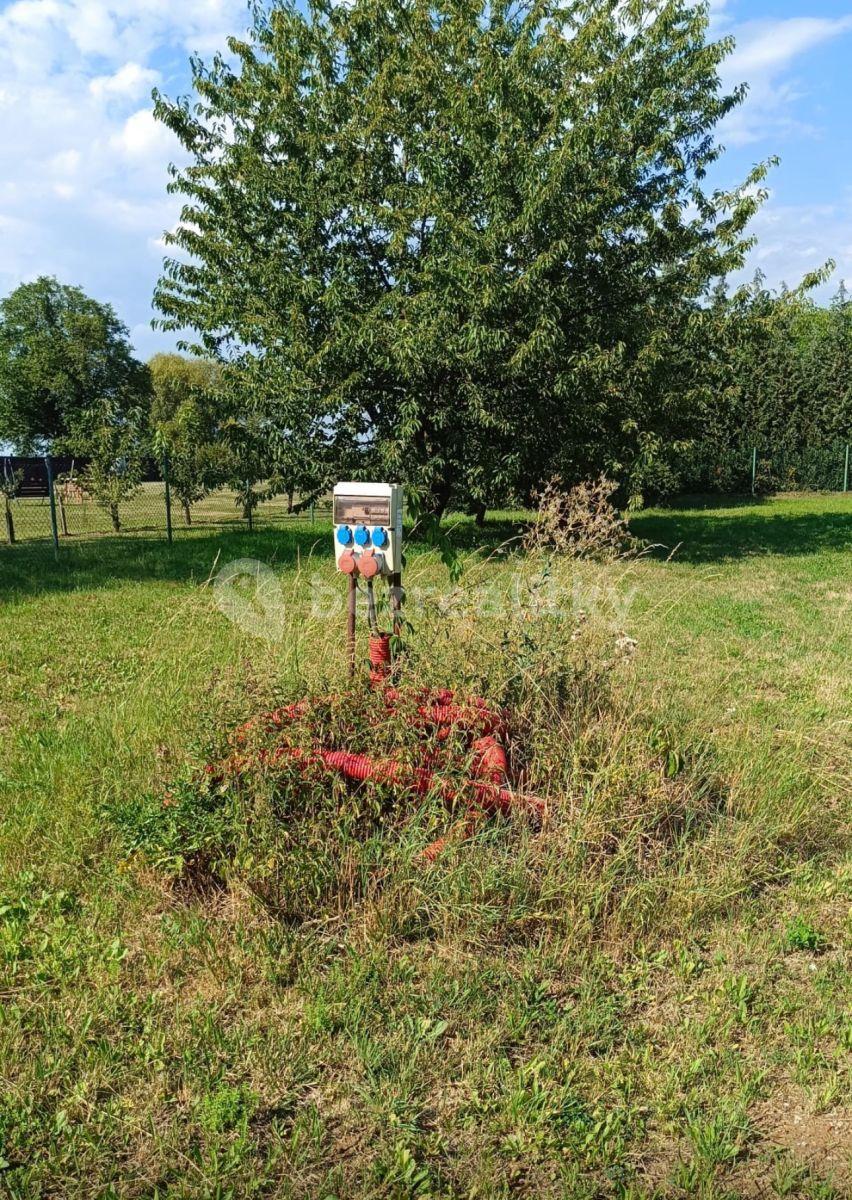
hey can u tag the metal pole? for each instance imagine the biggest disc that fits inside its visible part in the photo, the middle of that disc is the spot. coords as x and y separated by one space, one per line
168 496
49 468
754 470
846 471
352 609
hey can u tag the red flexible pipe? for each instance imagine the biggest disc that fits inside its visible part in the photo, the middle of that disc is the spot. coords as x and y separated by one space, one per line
486 792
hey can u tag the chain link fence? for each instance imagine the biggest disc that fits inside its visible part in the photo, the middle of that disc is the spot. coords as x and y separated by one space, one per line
762 469
51 498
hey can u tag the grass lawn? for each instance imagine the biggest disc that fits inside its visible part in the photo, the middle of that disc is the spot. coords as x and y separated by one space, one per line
649 996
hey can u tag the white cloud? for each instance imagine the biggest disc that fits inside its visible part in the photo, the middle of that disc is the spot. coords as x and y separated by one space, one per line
131 81
82 161
144 138
764 45
765 51
794 240
67 162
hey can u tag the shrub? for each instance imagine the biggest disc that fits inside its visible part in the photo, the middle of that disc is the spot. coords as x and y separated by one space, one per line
582 522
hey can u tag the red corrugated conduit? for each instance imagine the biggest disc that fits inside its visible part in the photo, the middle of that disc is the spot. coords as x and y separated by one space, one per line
485 791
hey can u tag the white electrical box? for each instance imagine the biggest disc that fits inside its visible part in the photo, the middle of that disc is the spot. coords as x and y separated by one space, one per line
368 528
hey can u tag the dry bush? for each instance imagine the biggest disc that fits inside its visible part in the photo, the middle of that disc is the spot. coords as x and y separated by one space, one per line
582 522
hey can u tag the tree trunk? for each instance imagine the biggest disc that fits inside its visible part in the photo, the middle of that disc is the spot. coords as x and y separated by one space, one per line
10 523
479 513
113 512
187 513
437 503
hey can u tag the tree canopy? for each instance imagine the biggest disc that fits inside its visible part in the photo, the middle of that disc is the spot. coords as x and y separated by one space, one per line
456 241
63 355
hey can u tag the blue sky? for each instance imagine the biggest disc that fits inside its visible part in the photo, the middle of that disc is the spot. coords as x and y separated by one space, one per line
83 164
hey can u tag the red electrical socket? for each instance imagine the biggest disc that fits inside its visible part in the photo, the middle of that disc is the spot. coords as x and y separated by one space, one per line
348 563
370 564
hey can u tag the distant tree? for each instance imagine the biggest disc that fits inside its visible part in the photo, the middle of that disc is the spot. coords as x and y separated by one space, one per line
10 486
832 373
116 443
187 415
62 354
461 239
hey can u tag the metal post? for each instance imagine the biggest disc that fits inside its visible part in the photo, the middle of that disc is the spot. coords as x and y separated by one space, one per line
49 468
396 603
168 496
846 471
352 609
754 471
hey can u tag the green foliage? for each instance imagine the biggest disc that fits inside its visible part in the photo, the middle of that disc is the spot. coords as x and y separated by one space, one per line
785 365
801 935
61 354
10 485
10 482
115 442
226 1108
454 242
777 377
187 412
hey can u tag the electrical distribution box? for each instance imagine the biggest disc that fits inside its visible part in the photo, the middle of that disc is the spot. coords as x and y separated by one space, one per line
368 528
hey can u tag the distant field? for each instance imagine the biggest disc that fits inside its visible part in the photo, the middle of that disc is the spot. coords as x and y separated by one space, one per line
648 997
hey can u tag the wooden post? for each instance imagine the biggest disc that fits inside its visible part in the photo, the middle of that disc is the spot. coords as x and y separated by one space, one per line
63 519
10 521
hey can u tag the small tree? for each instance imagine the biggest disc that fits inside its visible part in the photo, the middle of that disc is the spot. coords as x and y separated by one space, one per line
247 443
10 485
115 444
187 413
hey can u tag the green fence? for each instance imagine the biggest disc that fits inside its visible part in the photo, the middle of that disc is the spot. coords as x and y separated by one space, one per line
44 500
761 469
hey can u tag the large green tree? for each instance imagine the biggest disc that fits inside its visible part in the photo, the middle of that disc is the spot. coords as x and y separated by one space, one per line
458 239
65 361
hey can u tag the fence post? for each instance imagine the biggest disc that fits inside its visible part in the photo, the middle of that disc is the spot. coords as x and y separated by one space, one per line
168 496
313 513
49 468
754 471
846 471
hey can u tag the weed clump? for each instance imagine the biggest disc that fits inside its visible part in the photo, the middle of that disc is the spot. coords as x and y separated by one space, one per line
263 813
581 522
